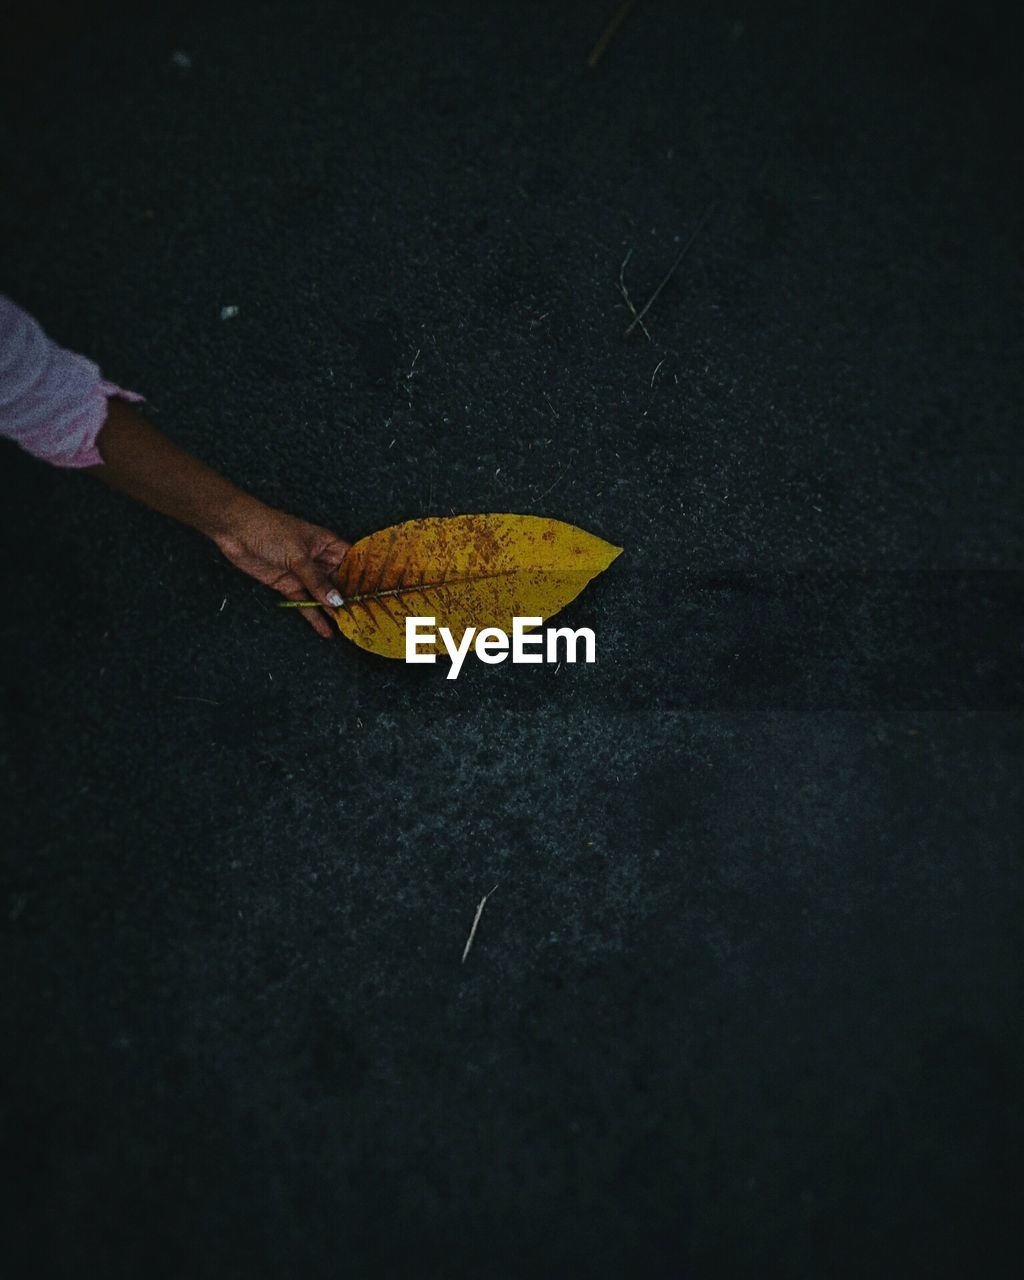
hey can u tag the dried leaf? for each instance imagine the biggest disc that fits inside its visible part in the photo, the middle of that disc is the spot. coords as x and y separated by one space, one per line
464 571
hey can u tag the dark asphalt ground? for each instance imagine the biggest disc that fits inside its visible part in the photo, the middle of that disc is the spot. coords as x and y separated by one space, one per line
746 1001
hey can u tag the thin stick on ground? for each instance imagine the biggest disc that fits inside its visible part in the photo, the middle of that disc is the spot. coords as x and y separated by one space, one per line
638 319
476 921
608 35
551 485
625 293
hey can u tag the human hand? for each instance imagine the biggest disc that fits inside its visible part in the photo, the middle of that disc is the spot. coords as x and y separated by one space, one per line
292 556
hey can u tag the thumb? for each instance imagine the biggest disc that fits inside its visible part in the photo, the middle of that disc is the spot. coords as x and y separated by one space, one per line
318 583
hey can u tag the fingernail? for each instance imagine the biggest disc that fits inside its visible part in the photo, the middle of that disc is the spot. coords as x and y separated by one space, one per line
334 599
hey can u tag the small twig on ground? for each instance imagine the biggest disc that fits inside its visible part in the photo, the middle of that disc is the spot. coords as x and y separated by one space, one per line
476 921
638 319
625 293
618 18
552 484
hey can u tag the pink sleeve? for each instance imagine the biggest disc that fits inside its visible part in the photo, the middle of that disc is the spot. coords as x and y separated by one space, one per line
52 402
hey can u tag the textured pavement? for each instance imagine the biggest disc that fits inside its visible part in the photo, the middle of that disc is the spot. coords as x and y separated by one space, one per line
746 999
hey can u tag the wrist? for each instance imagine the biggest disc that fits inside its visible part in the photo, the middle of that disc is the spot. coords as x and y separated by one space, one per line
230 521
140 461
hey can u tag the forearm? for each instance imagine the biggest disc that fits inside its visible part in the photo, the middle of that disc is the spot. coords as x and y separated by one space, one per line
296 558
140 461
54 404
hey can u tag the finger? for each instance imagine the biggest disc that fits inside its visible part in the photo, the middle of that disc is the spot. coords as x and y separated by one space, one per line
332 566
329 560
330 545
331 563
318 583
289 586
318 622
313 616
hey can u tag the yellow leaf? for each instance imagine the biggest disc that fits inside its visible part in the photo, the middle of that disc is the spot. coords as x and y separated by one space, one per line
464 571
